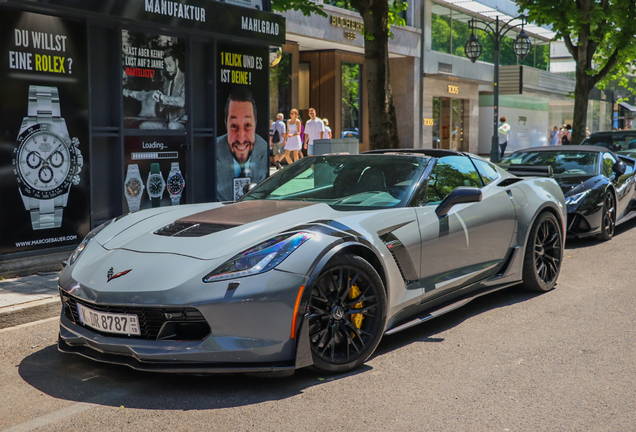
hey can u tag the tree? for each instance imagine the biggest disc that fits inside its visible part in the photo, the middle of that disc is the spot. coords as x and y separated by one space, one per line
600 36
378 16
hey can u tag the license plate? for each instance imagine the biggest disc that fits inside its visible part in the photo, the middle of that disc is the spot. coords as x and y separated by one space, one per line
109 322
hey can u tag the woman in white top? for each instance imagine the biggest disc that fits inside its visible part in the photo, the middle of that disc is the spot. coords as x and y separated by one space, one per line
328 134
293 142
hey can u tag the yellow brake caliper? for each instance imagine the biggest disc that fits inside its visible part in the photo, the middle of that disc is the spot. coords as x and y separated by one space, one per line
356 319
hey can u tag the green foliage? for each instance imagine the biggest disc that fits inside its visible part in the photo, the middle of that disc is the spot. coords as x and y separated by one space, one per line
304 6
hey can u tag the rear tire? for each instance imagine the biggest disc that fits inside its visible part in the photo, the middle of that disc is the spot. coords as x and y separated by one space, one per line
544 253
347 314
608 218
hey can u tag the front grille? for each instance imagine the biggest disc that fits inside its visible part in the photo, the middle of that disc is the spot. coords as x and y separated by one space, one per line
155 323
190 229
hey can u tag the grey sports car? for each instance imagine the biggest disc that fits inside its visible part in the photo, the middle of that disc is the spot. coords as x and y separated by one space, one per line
311 267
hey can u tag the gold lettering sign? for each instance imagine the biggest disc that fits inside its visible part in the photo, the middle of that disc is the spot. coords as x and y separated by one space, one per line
346 23
453 89
349 34
429 122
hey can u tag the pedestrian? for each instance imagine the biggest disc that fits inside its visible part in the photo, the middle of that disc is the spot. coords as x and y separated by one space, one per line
504 130
554 137
314 129
327 129
279 130
292 137
566 135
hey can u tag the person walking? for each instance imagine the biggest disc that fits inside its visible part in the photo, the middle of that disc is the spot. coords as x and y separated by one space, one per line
278 139
328 134
503 130
292 137
554 137
314 129
566 135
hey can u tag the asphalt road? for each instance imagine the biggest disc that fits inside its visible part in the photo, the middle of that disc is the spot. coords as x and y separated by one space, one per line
510 361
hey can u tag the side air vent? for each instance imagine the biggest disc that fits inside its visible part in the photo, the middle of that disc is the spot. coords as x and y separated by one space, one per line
190 229
401 257
509 181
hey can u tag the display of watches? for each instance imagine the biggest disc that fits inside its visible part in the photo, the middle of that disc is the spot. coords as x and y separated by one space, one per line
47 162
175 183
133 188
155 185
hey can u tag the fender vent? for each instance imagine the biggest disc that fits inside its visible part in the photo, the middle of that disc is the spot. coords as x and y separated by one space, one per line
190 229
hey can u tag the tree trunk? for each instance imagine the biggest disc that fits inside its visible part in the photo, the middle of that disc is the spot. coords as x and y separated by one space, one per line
584 85
383 132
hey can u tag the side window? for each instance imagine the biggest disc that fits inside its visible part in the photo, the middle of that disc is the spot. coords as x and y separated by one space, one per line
487 171
449 173
607 164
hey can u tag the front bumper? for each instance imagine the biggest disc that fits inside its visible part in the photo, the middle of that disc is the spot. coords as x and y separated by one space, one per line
250 331
584 222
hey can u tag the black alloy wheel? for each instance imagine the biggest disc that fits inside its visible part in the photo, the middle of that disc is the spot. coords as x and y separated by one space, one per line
544 253
347 314
608 218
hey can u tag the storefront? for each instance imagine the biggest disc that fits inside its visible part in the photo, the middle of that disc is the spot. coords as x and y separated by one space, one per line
112 107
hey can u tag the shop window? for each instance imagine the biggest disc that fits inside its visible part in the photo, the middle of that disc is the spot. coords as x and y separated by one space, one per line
280 87
441 29
351 100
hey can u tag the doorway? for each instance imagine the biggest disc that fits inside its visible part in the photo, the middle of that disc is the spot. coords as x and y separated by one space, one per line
448 124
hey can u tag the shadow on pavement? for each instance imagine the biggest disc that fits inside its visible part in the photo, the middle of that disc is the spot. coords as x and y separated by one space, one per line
74 378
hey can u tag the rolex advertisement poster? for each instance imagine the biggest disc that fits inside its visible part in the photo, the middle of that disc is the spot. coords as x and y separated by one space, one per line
155 172
44 139
153 81
242 146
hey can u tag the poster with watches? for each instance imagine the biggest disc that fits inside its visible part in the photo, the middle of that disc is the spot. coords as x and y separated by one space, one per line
155 172
44 179
242 146
153 81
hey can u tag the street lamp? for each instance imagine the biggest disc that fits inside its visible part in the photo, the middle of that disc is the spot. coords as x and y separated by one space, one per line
521 46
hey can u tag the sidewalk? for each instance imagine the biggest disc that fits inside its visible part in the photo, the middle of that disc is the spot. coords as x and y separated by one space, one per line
29 298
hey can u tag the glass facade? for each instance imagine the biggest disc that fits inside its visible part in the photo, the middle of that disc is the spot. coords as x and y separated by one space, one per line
280 87
350 106
450 30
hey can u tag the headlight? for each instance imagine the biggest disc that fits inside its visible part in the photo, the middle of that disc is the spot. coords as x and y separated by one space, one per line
260 258
576 198
82 246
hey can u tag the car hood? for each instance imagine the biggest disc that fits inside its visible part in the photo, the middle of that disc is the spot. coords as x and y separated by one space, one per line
209 231
576 184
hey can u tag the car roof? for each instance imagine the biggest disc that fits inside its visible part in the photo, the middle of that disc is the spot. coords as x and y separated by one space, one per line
586 148
437 153
616 132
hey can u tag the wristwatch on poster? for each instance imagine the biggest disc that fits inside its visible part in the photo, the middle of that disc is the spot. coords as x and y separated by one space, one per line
175 183
46 160
155 185
133 188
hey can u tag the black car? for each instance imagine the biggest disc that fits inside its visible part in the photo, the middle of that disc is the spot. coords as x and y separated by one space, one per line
597 183
621 142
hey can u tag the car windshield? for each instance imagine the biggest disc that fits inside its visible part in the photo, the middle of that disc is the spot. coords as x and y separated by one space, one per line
618 141
345 182
563 163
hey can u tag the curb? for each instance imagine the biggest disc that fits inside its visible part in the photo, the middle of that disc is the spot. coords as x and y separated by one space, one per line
11 316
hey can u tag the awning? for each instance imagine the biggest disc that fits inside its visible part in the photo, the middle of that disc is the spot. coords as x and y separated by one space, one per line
627 106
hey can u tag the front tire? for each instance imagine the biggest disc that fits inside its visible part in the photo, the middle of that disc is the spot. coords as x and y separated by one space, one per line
608 218
544 253
347 314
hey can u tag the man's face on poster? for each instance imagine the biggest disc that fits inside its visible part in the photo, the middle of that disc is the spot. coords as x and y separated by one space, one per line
241 130
170 65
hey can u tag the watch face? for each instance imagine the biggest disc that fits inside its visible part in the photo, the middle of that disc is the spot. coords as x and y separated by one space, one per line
44 162
175 184
133 188
155 185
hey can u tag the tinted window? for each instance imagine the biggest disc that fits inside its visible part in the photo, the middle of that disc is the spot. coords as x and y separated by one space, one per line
608 163
449 173
563 163
487 171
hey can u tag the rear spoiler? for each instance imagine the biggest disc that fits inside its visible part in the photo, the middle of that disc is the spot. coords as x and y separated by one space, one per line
521 170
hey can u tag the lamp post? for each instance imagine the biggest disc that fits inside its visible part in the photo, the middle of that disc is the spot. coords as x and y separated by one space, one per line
521 46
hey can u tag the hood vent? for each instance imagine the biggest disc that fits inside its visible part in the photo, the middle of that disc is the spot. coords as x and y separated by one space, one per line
190 229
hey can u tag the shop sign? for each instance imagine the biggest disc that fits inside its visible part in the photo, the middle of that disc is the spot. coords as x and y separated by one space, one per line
453 89
429 122
242 147
44 88
202 15
347 23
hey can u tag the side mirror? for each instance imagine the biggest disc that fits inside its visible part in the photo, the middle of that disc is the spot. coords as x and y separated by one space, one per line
459 195
248 187
619 168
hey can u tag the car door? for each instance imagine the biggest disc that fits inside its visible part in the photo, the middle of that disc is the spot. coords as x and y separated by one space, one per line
623 185
467 244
